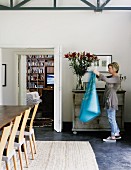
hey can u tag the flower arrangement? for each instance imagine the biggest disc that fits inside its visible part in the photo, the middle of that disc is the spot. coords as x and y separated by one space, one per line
80 62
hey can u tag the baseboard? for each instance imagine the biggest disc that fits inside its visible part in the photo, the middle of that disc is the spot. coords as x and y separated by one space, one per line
67 127
127 126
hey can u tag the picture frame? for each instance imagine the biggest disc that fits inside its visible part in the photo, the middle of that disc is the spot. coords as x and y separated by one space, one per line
3 75
102 64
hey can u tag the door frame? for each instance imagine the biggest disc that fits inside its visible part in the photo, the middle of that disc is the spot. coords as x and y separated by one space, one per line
57 89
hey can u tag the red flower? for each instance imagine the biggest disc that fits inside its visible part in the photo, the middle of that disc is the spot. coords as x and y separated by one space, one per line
88 54
66 56
74 54
80 61
81 56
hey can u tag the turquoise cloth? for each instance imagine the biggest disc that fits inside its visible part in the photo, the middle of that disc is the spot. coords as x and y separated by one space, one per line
90 107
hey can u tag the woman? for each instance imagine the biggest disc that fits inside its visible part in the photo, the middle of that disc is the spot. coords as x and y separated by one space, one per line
110 98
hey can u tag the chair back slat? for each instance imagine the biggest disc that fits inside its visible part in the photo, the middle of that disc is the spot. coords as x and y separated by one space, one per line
33 116
4 137
10 145
23 125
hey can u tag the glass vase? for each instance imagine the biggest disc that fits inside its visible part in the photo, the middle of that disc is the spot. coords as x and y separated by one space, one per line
79 84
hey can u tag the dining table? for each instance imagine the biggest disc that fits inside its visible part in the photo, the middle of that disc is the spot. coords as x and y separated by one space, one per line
9 112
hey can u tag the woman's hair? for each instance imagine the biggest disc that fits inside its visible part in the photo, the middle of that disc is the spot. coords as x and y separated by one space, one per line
114 65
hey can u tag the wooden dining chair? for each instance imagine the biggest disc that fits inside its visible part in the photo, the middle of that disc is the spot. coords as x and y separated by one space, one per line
3 140
20 140
9 151
29 132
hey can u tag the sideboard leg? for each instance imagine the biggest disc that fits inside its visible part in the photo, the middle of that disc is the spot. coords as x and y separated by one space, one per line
74 132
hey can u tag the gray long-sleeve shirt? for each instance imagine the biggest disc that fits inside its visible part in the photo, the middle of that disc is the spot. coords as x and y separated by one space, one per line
110 97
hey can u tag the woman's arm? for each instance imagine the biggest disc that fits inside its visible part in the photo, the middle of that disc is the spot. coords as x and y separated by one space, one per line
109 80
96 72
106 79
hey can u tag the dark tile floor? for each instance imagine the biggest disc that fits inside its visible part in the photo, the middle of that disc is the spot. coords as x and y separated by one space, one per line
109 156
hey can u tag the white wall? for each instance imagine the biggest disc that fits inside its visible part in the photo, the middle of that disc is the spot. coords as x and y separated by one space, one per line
9 92
1 77
108 32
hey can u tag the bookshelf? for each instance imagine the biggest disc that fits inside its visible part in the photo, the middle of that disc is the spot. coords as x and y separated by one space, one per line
38 67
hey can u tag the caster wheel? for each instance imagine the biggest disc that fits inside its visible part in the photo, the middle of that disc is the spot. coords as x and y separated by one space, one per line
74 132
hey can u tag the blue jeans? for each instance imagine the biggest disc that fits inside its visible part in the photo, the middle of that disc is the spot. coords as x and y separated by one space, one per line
112 120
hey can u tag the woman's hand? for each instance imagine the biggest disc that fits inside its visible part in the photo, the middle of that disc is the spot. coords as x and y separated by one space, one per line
96 72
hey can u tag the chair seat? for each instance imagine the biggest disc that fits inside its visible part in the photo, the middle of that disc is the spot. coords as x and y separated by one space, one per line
17 145
26 133
7 158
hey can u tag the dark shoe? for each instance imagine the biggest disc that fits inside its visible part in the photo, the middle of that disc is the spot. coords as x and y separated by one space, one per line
118 137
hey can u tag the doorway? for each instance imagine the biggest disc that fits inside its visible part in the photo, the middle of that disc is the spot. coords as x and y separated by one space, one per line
14 52
39 78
